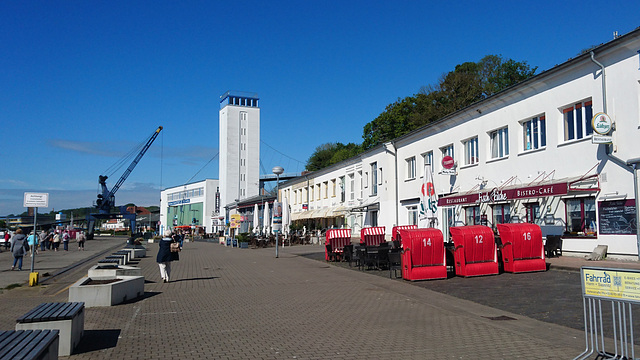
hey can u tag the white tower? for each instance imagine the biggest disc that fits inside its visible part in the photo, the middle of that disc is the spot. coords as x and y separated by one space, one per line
239 165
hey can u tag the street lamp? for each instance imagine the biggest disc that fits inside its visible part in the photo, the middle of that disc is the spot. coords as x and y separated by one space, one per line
278 170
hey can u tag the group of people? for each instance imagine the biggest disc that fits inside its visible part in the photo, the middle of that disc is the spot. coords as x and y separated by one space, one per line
20 244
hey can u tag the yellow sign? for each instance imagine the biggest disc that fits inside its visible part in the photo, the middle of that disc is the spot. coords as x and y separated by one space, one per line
235 220
612 284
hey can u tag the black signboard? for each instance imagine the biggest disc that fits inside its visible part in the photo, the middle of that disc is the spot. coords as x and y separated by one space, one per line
617 217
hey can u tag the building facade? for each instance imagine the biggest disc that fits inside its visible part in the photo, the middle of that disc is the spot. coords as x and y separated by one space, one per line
535 152
195 204
239 164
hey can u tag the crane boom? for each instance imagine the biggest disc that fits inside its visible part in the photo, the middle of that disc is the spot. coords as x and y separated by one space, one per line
106 200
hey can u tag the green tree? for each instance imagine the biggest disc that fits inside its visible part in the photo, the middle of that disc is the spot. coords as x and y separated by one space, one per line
331 153
468 83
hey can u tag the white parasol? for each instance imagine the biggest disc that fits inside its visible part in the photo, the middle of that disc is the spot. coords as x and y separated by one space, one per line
265 219
256 220
428 216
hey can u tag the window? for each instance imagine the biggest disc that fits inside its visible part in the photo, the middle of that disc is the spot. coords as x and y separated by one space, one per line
501 214
411 168
374 218
352 186
534 133
447 151
413 215
343 189
427 160
499 143
374 178
326 189
471 151
581 216
472 215
577 121
533 212
361 184
333 187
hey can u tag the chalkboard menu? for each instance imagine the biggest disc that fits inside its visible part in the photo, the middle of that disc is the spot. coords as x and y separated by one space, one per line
617 217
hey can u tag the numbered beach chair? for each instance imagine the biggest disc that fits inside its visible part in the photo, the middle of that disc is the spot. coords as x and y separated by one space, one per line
522 248
475 251
423 256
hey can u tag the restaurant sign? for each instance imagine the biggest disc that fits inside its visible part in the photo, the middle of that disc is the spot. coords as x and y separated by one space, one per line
602 126
497 195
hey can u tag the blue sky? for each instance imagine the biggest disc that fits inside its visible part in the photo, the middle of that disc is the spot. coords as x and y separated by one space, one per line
83 82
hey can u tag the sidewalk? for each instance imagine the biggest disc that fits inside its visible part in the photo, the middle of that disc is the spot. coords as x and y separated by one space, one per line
229 303
49 262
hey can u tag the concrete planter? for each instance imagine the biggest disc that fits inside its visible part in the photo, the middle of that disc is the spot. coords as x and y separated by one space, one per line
113 271
127 288
139 251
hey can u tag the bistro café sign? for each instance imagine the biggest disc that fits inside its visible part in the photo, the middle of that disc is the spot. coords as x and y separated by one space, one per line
497 194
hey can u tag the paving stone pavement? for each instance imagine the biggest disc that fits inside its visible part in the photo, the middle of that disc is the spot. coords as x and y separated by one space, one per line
229 303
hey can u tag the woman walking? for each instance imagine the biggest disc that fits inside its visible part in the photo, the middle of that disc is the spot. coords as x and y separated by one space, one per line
33 240
18 247
165 256
56 241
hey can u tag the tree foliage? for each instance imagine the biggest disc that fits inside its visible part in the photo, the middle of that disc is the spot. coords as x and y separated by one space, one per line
468 83
331 153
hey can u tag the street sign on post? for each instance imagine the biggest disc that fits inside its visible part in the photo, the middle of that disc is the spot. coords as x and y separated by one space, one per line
35 200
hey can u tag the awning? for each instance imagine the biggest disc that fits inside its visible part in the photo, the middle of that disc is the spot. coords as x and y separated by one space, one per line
321 213
340 211
515 192
301 215
366 208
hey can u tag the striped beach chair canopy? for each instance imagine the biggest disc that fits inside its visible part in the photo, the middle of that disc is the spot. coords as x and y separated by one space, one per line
394 231
372 235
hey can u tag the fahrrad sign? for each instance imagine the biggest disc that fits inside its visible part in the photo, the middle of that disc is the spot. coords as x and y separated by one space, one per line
36 199
611 284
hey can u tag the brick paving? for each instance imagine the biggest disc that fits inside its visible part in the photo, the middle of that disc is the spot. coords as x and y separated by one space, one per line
229 303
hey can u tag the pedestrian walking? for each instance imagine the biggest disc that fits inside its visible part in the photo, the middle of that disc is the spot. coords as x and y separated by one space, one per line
7 240
81 238
48 239
166 256
18 248
65 240
56 241
32 240
43 235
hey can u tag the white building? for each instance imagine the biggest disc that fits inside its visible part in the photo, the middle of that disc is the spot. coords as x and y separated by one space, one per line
191 204
239 164
526 154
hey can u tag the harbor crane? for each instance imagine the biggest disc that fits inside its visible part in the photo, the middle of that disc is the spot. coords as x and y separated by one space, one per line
107 199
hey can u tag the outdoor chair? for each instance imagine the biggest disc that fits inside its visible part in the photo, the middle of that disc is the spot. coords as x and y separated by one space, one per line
329 254
553 246
382 260
360 255
395 263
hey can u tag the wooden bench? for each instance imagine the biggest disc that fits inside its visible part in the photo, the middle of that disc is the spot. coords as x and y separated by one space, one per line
29 344
67 317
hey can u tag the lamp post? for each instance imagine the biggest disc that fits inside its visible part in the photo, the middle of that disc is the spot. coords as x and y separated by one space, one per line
277 170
